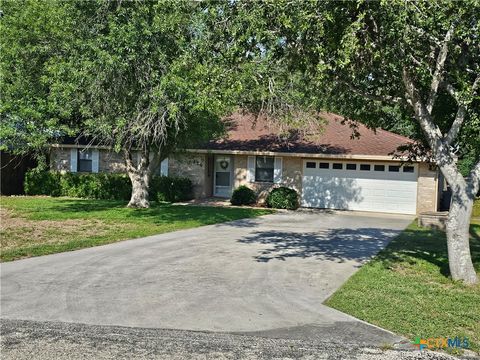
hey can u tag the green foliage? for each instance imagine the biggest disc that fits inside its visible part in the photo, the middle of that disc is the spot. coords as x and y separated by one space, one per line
171 189
283 198
35 36
467 162
90 186
42 183
107 186
143 73
95 186
243 195
147 73
349 58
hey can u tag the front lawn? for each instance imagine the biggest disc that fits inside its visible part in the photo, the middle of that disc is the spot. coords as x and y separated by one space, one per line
33 226
406 289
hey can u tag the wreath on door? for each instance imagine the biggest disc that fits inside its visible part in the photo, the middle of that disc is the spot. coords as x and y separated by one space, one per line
224 164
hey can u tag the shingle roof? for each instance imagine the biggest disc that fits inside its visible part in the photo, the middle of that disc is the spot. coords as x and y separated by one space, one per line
248 133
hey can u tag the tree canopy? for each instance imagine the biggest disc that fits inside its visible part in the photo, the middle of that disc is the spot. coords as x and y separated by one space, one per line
34 36
139 76
349 57
412 67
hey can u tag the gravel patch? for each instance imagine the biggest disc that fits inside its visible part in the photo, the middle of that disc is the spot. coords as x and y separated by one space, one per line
23 339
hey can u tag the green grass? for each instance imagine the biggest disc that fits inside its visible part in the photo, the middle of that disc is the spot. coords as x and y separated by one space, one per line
33 226
476 209
406 289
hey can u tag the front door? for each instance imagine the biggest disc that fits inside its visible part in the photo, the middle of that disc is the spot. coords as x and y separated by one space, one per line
223 176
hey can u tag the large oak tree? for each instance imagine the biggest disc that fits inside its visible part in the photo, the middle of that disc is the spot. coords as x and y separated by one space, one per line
139 77
144 80
403 65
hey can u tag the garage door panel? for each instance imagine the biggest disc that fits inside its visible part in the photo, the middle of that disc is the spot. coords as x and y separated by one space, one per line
360 190
336 193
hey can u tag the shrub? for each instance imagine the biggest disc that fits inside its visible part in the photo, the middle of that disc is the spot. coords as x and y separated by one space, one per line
171 189
283 198
243 195
42 183
108 186
92 186
96 186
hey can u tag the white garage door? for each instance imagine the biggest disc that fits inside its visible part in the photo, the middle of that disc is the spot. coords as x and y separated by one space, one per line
360 186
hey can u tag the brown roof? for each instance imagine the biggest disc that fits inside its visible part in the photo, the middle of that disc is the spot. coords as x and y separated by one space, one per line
247 133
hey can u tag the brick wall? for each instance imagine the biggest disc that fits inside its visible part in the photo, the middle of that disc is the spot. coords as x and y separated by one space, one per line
60 159
427 189
291 176
194 167
109 161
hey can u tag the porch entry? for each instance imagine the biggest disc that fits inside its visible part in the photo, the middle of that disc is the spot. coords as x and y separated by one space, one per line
222 180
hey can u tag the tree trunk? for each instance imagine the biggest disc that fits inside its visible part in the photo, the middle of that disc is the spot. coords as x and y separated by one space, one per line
139 175
463 190
458 237
140 185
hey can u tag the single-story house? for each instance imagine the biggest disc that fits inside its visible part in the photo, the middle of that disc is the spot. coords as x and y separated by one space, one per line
330 170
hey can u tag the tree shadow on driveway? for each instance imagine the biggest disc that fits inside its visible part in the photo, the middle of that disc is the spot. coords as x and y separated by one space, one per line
337 245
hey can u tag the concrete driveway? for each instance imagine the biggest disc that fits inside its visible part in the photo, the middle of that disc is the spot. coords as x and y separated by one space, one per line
263 276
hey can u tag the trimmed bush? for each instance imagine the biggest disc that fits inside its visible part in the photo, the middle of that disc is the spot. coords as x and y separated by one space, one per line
106 186
171 189
283 198
96 186
243 195
42 183
90 186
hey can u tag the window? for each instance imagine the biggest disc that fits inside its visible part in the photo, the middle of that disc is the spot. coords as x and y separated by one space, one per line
84 160
222 179
264 168
337 166
365 167
324 165
311 165
394 168
351 166
379 168
408 169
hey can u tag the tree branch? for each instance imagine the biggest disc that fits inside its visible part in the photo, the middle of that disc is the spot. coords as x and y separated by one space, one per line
417 62
432 131
385 98
128 160
456 125
451 90
439 66
422 32
441 152
473 180
461 112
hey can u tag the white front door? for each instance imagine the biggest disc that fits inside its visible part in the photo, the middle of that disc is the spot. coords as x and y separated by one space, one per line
223 176
382 187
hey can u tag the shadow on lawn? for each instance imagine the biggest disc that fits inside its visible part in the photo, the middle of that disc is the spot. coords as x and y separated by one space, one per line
157 213
81 205
337 245
428 245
